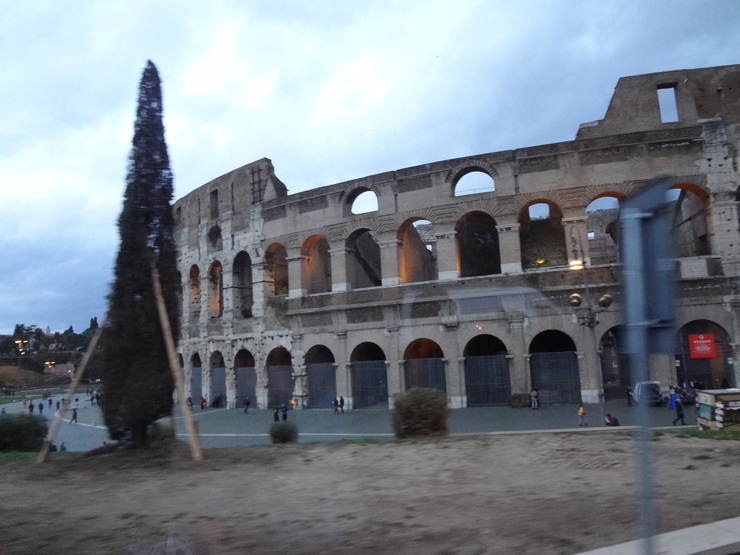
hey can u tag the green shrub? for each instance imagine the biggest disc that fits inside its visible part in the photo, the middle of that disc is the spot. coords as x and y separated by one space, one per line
284 432
420 412
22 432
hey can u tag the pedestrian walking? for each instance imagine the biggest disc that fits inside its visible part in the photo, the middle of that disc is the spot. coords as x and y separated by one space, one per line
247 402
535 396
276 415
50 403
679 413
74 416
628 391
335 404
581 416
30 407
341 404
284 412
41 408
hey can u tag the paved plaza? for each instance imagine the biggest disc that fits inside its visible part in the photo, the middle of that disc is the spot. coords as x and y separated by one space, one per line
233 428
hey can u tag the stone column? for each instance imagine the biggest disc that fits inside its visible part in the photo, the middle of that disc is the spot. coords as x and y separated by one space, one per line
576 237
518 358
295 277
389 262
510 248
230 383
339 281
446 253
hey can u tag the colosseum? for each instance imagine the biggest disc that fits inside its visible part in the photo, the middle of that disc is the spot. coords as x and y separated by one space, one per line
457 274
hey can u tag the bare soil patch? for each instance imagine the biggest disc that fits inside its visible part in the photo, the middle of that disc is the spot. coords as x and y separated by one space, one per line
529 493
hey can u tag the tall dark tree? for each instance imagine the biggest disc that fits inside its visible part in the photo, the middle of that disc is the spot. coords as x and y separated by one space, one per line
137 382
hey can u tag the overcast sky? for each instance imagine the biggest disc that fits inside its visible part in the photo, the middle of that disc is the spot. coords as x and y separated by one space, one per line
328 90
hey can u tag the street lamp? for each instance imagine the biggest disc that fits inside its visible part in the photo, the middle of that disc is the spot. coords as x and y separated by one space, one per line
20 343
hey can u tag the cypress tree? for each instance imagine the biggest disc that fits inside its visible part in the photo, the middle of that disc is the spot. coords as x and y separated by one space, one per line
137 381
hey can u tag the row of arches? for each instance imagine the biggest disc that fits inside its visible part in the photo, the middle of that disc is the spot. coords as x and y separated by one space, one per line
553 368
543 242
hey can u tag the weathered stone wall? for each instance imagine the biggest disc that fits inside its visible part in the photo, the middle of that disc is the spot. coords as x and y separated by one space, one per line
397 284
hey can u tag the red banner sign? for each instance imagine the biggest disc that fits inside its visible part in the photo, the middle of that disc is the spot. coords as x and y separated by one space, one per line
702 345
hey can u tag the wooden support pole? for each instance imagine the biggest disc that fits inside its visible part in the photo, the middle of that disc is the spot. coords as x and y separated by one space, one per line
164 320
49 441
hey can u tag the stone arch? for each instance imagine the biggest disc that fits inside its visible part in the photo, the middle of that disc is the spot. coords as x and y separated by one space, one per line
194 290
215 290
691 226
542 236
460 170
363 259
242 294
704 355
474 183
476 237
424 365
361 201
487 377
215 240
196 378
276 269
554 367
369 377
321 376
417 260
279 367
218 380
246 378
316 265
602 228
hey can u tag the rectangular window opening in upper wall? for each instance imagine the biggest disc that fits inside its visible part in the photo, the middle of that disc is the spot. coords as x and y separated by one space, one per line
214 204
667 102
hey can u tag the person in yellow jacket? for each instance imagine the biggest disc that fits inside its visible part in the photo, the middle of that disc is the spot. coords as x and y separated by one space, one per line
581 416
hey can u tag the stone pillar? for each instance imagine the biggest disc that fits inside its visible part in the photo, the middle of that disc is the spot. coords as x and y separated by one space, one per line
300 387
576 237
230 383
518 358
339 281
722 221
389 262
295 278
662 368
509 248
446 255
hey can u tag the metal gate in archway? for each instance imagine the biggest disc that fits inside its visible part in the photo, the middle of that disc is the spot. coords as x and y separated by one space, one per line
196 385
555 376
246 385
709 373
369 384
425 372
487 381
279 385
322 385
218 386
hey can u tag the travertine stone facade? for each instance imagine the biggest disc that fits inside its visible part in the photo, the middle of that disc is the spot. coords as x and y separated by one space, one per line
297 298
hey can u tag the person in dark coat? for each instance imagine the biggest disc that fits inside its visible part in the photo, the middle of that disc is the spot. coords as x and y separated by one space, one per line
679 413
247 402
74 416
341 404
276 415
284 412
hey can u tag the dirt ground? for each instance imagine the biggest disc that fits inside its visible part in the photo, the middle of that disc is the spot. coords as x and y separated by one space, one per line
528 493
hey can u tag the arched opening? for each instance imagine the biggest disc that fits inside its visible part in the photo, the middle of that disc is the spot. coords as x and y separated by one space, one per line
487 379
279 378
276 269
321 376
218 381
242 286
423 365
316 265
215 242
215 290
477 245
196 378
615 364
554 367
194 290
602 229
473 183
690 228
246 378
541 236
417 251
362 201
705 356
363 260
369 375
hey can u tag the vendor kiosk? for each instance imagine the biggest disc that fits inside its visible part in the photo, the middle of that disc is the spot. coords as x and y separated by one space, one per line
718 409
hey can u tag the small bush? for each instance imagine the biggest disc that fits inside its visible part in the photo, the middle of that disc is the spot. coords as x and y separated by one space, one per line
284 432
420 412
22 432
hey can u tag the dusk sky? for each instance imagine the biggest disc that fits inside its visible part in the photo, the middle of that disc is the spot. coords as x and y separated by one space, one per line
328 90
